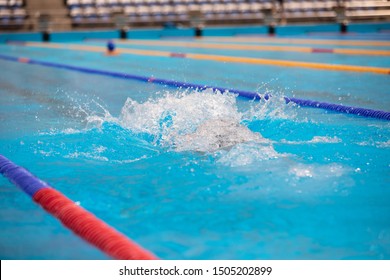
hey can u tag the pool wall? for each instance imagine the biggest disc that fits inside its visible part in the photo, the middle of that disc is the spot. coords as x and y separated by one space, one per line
190 32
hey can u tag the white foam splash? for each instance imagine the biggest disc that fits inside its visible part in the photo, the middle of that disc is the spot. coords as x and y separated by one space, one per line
70 131
181 111
314 140
301 170
216 134
247 153
206 121
271 106
55 131
95 153
376 144
383 144
189 121
86 155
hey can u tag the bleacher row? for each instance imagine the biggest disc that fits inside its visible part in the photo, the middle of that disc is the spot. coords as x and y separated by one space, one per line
179 10
164 10
12 11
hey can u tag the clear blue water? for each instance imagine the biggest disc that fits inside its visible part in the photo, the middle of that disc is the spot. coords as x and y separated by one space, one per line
310 184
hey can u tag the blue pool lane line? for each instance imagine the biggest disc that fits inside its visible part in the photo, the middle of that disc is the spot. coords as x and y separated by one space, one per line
378 114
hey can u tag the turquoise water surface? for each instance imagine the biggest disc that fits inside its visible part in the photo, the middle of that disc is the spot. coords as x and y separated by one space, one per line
198 175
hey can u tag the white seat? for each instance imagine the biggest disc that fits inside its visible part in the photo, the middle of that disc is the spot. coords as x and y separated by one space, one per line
103 11
12 2
167 9
163 2
5 14
156 9
100 2
76 12
72 2
230 7
87 2
256 7
19 13
129 10
142 10
112 2
125 2
244 7
206 8
89 11
181 10
19 3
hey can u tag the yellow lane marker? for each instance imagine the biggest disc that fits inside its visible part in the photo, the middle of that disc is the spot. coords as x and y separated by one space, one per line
205 45
288 63
221 58
300 41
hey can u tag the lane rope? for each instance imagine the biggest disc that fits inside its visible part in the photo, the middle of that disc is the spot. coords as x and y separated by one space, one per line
220 58
364 112
298 41
77 219
204 45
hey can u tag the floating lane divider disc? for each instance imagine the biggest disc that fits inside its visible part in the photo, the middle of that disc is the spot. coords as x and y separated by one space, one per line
81 222
363 112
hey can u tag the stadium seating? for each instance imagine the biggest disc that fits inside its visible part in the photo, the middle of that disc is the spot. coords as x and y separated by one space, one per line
160 12
12 13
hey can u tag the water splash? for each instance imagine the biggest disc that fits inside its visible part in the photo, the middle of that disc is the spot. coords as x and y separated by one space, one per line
272 105
315 140
108 142
181 111
301 170
247 154
204 121
209 122
377 144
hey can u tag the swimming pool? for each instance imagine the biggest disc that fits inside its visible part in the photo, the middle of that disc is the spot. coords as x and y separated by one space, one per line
145 157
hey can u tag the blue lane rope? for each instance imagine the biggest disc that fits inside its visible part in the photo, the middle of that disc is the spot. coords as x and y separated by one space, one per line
177 84
341 108
21 177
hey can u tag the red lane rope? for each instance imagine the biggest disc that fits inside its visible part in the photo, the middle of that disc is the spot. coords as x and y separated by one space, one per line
89 227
